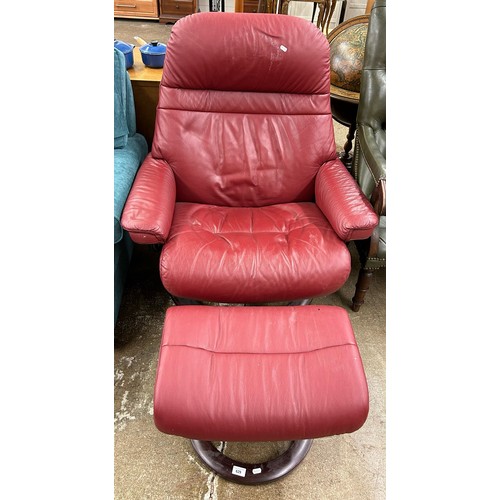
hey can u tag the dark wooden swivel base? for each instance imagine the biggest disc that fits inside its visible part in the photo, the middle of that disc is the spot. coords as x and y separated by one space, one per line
244 473
180 301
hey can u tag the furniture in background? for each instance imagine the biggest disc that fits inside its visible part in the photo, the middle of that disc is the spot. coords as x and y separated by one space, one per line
347 45
369 165
251 6
173 10
324 8
330 9
145 84
136 9
130 148
166 11
369 5
254 6
325 14
216 5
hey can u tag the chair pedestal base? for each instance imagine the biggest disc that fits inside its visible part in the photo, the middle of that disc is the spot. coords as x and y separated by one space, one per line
244 473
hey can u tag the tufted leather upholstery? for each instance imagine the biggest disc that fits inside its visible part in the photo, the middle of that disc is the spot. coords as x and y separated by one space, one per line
242 185
369 168
369 165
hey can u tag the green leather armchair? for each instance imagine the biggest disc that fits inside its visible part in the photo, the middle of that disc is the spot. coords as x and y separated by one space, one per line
369 167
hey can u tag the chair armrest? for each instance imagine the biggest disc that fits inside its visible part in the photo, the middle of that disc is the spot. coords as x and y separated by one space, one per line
149 209
370 167
126 163
378 203
371 152
378 198
343 203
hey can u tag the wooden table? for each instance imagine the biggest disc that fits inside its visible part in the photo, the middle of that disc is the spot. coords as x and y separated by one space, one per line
146 87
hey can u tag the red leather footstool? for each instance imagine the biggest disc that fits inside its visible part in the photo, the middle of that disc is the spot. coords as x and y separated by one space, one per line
265 373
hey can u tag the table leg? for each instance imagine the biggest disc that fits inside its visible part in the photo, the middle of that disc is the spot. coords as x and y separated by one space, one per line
346 156
321 13
342 11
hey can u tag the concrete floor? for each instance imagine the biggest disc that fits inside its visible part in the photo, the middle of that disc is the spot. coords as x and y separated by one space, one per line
152 465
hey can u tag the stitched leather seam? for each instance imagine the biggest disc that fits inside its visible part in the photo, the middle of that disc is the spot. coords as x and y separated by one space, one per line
324 229
267 92
147 233
260 353
243 112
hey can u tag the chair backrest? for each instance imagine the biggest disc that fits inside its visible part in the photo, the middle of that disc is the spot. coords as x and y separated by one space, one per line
372 101
244 116
372 108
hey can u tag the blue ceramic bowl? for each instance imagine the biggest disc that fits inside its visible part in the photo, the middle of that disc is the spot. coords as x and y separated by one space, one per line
153 54
128 51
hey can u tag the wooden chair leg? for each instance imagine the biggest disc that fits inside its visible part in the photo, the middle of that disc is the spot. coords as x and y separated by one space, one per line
364 279
345 156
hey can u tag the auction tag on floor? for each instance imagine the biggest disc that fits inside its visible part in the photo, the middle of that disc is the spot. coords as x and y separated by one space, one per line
239 471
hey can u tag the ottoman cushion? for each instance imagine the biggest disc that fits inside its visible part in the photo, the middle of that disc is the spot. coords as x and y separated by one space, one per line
259 374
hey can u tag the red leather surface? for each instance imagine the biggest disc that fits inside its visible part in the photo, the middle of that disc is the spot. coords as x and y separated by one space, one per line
259 374
243 159
149 208
240 121
343 203
280 54
244 126
231 254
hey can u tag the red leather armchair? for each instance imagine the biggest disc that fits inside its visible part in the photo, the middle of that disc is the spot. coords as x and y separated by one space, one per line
243 187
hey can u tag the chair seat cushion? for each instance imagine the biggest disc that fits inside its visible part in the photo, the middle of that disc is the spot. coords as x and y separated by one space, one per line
259 373
252 254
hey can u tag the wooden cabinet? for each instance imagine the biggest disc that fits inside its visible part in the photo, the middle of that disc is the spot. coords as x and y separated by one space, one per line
173 10
250 6
253 6
138 9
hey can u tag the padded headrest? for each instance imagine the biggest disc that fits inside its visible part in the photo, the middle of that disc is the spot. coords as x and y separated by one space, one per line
248 53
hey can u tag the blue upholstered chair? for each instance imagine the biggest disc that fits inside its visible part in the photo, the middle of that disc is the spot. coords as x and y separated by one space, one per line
130 150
